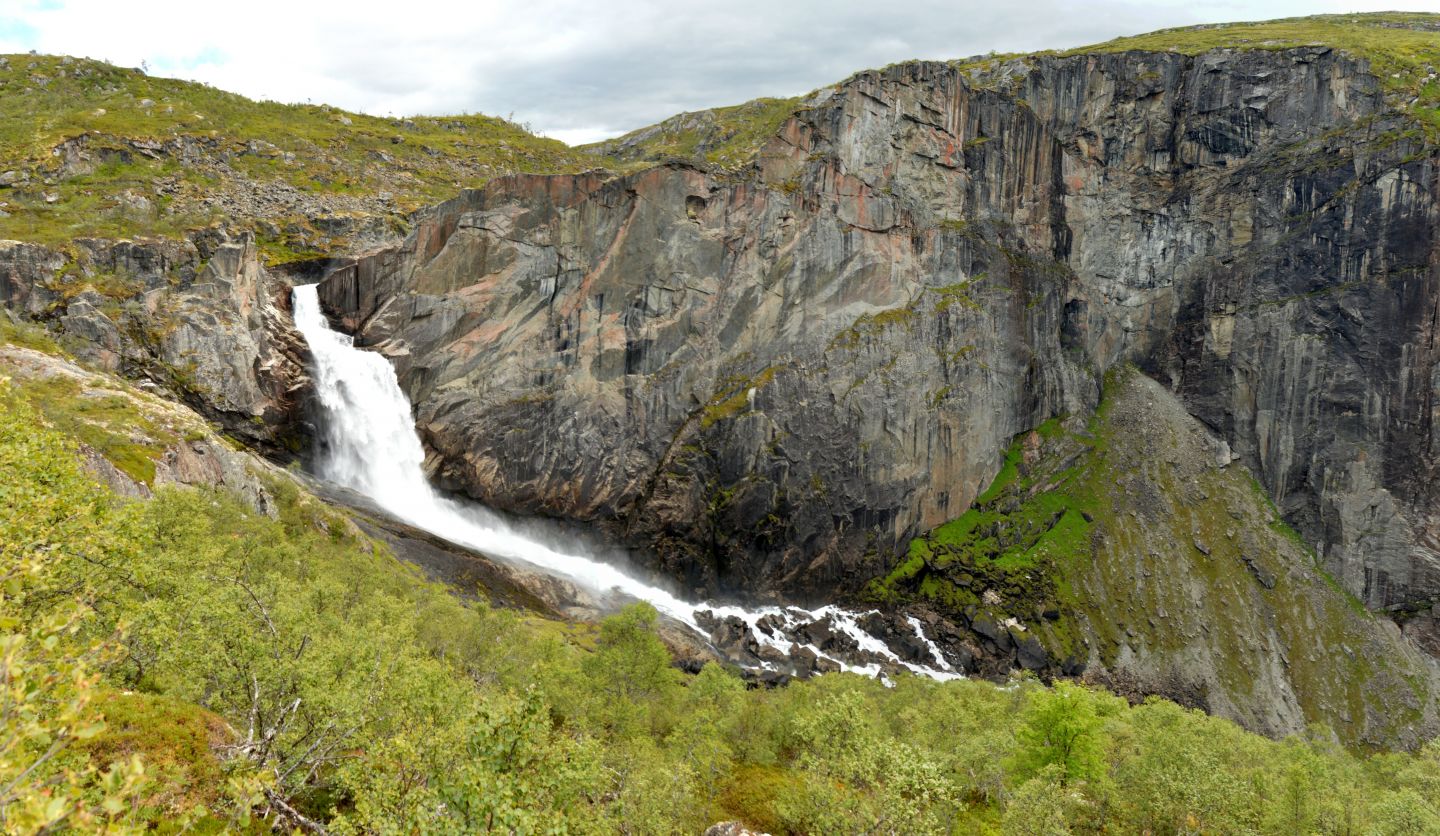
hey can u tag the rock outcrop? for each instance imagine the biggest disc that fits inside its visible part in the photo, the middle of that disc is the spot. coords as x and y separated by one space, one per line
200 318
149 440
773 380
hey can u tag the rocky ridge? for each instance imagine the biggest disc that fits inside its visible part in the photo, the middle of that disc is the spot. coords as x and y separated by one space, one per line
200 319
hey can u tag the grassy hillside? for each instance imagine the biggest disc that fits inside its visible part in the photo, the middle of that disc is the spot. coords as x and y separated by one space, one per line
1403 48
187 662
723 137
87 148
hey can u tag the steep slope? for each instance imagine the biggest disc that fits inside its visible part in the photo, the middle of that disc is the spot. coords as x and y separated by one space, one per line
261 665
1134 542
199 318
772 379
723 137
795 336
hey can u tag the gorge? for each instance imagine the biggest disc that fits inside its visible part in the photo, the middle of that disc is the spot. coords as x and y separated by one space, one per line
370 446
803 464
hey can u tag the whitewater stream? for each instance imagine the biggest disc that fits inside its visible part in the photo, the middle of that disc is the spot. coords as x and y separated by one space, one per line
371 447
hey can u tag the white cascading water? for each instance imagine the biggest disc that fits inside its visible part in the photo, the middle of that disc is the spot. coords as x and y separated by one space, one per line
373 449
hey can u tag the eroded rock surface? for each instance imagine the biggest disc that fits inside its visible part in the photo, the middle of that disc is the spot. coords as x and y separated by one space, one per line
774 380
771 381
200 318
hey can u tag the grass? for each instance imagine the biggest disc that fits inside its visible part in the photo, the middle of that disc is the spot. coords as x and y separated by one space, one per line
155 149
176 740
725 137
27 335
874 324
732 398
142 131
1016 537
1403 49
1082 521
111 424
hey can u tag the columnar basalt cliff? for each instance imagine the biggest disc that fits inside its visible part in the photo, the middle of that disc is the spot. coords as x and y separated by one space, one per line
771 380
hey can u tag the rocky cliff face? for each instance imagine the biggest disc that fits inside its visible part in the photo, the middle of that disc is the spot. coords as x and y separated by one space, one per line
773 380
198 318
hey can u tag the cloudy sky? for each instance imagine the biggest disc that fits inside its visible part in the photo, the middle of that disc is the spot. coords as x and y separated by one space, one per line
577 70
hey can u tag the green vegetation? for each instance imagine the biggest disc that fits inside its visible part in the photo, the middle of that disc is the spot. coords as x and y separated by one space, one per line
26 334
1090 536
109 422
1403 49
144 153
89 149
186 662
957 294
725 137
732 397
873 324
1018 536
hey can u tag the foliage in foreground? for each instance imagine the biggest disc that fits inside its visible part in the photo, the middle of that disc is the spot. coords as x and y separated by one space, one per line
186 663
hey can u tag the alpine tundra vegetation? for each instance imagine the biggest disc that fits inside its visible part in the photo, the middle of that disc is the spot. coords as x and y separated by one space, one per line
1020 444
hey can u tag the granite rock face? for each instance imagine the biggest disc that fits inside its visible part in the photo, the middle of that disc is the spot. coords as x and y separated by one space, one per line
772 379
199 318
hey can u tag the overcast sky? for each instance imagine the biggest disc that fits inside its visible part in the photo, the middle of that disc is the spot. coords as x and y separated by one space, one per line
577 70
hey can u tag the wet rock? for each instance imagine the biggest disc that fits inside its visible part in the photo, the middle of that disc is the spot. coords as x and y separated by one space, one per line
961 657
807 663
826 636
767 678
772 625
707 620
731 637
989 628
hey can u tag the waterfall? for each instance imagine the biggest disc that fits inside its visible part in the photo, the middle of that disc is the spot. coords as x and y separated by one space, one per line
371 447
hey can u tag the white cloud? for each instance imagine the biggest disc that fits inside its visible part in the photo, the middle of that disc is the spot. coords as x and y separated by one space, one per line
576 70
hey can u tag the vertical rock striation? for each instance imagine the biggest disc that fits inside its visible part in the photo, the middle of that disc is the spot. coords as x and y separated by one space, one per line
770 380
774 378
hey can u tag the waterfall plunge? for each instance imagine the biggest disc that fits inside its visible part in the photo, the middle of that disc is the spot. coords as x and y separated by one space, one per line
372 448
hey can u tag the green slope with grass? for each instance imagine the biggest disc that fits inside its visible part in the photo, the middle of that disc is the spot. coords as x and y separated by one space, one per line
185 662
90 149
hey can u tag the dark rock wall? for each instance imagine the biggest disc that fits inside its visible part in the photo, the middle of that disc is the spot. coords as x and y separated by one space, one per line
772 381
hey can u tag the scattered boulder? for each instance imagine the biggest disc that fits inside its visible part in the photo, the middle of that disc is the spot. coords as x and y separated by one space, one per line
731 828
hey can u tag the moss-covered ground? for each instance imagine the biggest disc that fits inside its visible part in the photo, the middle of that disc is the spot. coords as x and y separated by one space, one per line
1120 540
724 137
